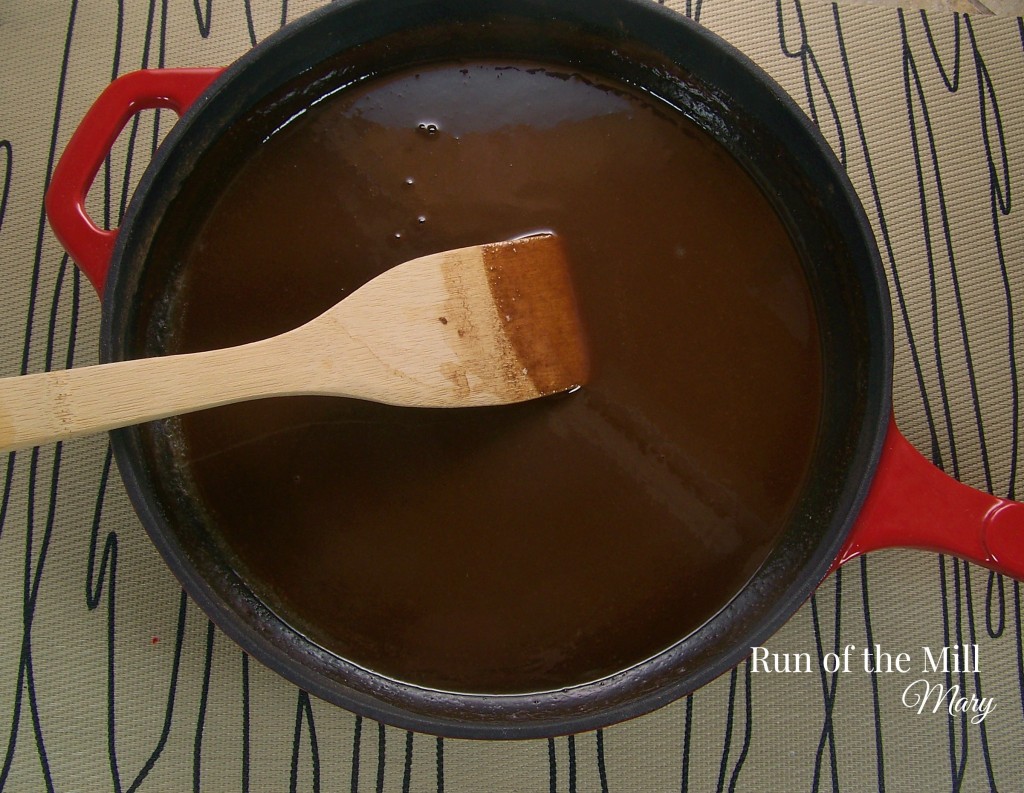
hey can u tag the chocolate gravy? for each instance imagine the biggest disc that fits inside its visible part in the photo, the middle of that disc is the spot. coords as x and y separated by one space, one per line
527 547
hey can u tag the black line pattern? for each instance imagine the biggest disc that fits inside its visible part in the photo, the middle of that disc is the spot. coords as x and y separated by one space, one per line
197 750
944 60
875 705
304 724
748 724
994 139
381 756
8 169
814 78
25 685
684 785
693 9
246 729
205 19
552 767
439 759
829 684
407 772
357 735
602 772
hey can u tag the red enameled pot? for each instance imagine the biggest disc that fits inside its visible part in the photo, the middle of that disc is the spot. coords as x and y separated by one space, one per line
870 490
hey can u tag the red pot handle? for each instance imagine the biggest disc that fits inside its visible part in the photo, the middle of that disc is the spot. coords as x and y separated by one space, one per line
912 504
90 246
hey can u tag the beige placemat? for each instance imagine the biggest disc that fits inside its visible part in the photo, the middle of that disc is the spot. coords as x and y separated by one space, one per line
110 679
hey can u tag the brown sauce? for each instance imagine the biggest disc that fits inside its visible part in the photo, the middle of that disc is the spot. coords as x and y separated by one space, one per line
534 546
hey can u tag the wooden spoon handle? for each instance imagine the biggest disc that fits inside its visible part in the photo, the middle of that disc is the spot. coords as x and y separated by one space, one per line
41 408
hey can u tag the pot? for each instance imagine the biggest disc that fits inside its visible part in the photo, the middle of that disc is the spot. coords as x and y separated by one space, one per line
869 488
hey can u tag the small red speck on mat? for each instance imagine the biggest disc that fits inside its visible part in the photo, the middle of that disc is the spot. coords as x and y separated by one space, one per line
155 640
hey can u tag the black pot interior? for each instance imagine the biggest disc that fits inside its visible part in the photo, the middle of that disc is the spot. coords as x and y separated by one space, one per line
642 46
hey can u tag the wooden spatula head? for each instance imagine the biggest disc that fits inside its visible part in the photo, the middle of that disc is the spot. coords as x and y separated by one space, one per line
485 325
537 313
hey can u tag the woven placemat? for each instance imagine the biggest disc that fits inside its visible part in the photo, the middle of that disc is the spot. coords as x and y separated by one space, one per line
110 679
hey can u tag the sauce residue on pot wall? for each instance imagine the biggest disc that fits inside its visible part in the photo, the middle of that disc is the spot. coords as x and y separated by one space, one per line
535 546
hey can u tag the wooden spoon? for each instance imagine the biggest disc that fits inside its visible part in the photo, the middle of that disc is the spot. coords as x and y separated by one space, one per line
485 325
